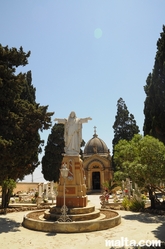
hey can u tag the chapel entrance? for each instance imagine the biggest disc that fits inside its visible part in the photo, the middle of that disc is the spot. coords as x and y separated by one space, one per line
96 180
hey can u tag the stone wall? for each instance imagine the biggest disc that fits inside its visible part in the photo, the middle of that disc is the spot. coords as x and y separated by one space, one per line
26 187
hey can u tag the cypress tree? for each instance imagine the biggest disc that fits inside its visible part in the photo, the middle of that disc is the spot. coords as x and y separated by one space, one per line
125 125
51 161
154 107
21 120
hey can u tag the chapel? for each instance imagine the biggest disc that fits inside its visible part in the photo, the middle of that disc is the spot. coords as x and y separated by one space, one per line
97 164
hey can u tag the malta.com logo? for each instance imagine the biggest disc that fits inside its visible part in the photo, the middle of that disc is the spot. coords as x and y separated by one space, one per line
125 242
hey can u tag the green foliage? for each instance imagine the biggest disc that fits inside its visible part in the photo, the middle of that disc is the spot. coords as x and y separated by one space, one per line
9 184
36 194
154 107
133 204
126 203
81 151
142 160
21 118
144 197
136 205
110 185
124 126
51 161
119 176
7 189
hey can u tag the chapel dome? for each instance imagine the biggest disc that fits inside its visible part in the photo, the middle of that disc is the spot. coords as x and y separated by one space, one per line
96 146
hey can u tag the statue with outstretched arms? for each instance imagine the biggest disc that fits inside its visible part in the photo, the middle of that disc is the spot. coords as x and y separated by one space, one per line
72 132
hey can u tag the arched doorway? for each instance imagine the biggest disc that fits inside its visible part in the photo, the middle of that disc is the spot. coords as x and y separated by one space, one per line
96 180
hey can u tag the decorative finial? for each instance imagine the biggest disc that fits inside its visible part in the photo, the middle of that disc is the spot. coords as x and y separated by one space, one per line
95 129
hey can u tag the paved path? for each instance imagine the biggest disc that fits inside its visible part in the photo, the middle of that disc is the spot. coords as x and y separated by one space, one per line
134 226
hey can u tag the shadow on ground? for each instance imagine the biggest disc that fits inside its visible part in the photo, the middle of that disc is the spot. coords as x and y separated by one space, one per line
51 234
8 225
148 219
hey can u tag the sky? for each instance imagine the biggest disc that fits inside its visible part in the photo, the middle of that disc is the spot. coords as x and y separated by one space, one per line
85 55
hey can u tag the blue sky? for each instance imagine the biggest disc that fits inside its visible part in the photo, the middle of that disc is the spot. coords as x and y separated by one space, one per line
85 55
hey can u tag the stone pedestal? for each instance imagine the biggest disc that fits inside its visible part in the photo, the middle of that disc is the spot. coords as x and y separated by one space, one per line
75 188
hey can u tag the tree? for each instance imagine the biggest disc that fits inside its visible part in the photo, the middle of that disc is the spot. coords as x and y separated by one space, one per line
125 125
154 106
21 119
7 190
142 160
51 161
110 186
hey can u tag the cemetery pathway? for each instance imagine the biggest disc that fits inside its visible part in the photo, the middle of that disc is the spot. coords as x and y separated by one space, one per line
134 226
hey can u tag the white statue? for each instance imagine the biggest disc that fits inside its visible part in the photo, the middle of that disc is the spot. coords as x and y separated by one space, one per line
72 132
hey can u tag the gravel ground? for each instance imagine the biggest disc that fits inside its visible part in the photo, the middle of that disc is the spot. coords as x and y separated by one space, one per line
134 226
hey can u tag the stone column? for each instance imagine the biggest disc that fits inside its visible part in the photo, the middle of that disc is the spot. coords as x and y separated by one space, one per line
101 179
75 191
89 180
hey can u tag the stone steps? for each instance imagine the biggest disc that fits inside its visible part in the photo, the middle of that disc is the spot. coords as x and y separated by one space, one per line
74 217
71 227
75 214
81 210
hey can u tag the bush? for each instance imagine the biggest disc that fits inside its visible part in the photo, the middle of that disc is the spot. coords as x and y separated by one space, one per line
133 204
136 205
126 203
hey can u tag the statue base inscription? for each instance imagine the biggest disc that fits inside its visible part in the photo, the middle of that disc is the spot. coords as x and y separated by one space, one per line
75 188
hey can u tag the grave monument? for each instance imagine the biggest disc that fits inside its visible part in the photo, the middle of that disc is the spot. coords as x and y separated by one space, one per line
82 216
75 188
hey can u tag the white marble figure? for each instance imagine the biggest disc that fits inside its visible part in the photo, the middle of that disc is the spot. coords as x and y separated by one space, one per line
72 133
